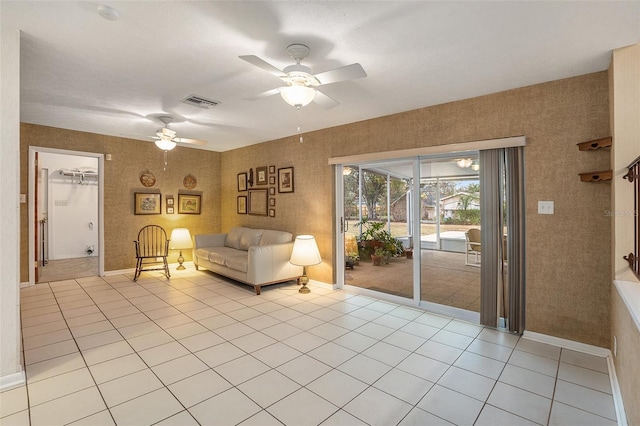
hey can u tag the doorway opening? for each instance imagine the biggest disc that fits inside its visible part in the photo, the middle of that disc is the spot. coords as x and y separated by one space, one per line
65 215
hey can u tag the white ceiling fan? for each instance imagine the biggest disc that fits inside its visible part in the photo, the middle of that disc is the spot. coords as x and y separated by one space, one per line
300 83
166 138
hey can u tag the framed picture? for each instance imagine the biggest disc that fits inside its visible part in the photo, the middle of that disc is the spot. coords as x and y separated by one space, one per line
272 180
272 202
169 210
272 191
242 182
261 175
147 203
242 204
272 170
170 200
188 204
272 212
257 202
285 179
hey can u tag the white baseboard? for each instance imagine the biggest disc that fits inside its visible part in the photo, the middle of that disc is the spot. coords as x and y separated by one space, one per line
567 344
617 395
591 350
324 285
11 381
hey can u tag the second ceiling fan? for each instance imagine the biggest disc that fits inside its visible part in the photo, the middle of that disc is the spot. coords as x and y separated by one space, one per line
300 83
166 138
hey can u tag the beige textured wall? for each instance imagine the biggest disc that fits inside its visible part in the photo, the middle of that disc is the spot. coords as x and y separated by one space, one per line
121 180
308 210
568 266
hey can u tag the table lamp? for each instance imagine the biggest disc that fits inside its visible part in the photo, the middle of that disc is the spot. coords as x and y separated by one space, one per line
180 239
305 253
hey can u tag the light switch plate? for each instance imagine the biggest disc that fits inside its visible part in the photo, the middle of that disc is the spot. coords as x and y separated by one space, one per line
545 207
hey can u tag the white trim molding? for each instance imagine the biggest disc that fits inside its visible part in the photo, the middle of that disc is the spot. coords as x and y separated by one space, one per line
630 295
11 381
567 344
432 150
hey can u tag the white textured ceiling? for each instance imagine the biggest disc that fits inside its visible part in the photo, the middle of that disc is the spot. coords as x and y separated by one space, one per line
82 72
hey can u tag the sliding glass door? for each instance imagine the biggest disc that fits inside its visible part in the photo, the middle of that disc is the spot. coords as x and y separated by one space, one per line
450 213
377 227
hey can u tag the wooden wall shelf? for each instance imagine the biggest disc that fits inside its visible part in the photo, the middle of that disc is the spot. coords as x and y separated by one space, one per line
596 176
595 144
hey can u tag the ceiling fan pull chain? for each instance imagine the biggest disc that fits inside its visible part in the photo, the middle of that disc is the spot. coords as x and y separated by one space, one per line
299 123
164 167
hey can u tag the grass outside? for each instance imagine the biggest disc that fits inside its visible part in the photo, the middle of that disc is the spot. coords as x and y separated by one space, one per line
400 228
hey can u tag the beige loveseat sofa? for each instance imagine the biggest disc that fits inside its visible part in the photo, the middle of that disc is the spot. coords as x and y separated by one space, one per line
253 256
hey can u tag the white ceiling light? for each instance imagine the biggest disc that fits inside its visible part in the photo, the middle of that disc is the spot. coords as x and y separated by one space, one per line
298 95
165 144
108 12
464 163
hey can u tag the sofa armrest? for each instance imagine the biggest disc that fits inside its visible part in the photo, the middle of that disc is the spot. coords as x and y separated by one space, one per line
209 240
270 263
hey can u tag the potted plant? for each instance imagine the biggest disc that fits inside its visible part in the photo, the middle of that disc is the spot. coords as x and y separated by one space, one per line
408 252
378 255
374 236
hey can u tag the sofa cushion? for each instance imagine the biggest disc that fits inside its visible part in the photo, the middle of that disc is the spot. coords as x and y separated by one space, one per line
233 237
203 252
218 255
275 237
250 237
237 263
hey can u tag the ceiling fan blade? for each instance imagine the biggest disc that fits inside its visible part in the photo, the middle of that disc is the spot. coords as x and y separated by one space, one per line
165 131
263 94
260 63
348 72
190 141
325 101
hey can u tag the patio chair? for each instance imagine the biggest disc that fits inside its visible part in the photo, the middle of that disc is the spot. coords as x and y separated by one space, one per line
152 249
474 246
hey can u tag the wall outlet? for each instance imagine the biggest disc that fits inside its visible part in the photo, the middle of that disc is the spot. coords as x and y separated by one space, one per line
615 346
545 207
23 198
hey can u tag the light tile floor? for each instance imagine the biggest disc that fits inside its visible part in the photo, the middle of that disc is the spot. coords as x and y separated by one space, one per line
199 349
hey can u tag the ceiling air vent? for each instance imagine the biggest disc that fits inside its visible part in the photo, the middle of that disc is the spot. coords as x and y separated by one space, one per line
200 102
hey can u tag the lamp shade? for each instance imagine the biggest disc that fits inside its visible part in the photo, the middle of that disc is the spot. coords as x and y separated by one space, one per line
180 239
165 145
298 95
305 251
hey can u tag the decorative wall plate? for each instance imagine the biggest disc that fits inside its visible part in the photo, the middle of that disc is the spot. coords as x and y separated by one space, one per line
190 181
147 179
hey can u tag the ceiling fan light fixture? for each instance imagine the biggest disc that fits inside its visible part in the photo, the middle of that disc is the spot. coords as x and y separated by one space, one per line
464 163
165 145
298 95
